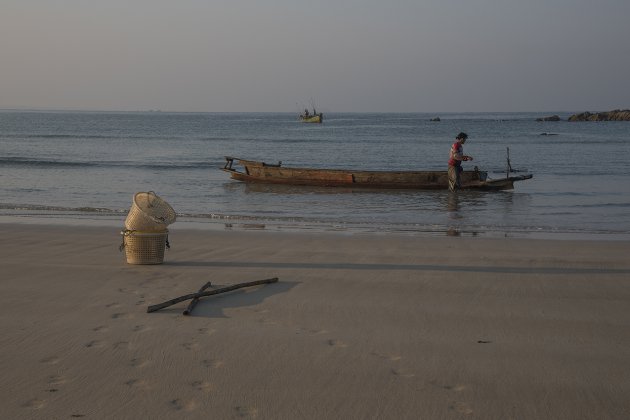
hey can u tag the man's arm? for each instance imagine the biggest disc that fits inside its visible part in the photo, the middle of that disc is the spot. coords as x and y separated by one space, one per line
458 155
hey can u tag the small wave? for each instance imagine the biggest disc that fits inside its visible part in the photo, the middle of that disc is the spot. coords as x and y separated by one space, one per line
23 161
302 224
603 205
45 208
87 136
65 136
47 163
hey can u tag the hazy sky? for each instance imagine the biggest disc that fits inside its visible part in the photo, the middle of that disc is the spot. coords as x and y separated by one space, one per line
345 55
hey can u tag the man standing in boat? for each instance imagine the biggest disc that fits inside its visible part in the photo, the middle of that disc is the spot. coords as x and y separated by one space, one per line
455 162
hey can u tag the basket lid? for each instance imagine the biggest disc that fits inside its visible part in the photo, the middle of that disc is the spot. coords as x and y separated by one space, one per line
154 207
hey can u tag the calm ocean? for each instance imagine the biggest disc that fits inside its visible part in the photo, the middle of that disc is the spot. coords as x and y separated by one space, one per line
86 166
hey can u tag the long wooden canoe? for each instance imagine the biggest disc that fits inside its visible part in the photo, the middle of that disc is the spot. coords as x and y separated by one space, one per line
265 173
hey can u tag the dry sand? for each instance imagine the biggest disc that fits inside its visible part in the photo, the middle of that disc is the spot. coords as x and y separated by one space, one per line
358 327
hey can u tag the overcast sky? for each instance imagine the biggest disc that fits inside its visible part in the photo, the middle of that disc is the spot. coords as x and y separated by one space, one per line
345 55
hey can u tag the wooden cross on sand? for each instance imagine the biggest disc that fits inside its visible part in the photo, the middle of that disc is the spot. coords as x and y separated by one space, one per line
203 292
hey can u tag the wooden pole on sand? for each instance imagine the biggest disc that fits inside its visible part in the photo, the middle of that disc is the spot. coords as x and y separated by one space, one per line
193 302
197 295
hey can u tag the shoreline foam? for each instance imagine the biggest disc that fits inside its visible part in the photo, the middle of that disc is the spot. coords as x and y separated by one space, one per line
235 223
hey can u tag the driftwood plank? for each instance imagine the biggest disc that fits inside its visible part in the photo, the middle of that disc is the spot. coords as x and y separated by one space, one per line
162 305
193 302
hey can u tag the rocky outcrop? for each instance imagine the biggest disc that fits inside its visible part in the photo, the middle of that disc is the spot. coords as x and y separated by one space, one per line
551 118
616 115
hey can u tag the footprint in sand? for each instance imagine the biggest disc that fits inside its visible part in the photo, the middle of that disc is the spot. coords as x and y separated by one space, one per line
207 331
190 346
56 380
53 381
100 328
121 345
137 383
336 343
121 315
94 344
203 386
34 404
403 373
456 388
183 405
390 357
138 362
449 387
112 305
250 412
52 360
211 363
461 407
310 331
140 328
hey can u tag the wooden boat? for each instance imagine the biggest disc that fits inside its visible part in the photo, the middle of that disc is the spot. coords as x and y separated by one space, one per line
311 118
261 172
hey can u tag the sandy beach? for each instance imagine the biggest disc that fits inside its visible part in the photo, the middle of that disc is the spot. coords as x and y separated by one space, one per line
357 327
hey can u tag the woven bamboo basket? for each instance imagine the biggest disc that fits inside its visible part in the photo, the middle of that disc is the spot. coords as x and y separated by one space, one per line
149 213
144 247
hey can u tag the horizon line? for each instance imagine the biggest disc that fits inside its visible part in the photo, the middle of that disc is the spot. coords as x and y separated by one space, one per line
160 111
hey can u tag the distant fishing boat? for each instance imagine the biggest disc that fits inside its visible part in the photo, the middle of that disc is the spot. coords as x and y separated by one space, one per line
307 117
261 172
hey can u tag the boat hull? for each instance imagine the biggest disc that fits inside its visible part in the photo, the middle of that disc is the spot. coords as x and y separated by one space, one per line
318 118
260 172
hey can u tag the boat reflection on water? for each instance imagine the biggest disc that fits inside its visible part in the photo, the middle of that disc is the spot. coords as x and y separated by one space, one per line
465 213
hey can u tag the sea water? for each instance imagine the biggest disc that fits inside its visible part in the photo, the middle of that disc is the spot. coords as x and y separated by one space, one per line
74 166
